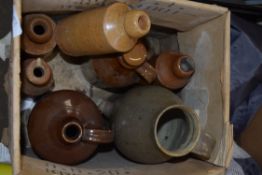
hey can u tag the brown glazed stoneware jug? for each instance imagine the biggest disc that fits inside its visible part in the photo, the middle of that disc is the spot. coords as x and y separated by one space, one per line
66 127
108 73
39 35
151 125
104 30
37 77
121 70
174 70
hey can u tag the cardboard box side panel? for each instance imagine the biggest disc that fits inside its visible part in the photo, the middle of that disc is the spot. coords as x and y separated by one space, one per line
225 155
189 167
225 79
14 106
59 6
226 72
206 44
179 14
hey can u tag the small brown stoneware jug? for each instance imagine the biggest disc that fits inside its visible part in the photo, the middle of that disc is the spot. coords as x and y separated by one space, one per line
151 125
121 70
66 127
108 73
104 30
39 35
174 70
37 77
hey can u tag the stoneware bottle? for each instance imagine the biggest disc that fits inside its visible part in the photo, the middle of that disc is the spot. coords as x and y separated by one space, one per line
66 127
151 125
39 35
120 70
174 70
104 30
37 77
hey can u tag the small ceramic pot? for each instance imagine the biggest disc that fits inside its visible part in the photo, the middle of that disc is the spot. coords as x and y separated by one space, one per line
39 35
174 70
151 125
116 28
66 127
37 77
121 70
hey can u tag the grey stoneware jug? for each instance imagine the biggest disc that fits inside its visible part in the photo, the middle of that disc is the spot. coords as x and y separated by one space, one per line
152 125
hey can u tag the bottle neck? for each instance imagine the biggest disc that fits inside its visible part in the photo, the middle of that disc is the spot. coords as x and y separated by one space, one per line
137 23
183 67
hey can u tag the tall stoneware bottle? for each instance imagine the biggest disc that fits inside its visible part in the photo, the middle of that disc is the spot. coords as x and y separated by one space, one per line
104 30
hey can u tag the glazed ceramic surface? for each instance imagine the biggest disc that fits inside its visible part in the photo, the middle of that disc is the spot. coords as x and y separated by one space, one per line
39 35
37 77
151 125
116 28
66 127
136 59
174 70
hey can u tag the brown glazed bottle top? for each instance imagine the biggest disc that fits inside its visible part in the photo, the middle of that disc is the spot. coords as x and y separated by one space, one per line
65 127
37 71
39 28
38 38
174 69
37 77
135 57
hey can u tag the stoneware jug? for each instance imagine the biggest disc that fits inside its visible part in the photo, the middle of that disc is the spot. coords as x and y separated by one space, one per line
174 70
39 35
37 77
151 125
66 127
107 73
103 30
120 70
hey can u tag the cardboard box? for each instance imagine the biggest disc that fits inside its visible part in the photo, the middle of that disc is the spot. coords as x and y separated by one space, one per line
204 35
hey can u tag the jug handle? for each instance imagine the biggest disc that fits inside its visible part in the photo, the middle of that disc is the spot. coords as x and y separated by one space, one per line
97 135
147 71
204 146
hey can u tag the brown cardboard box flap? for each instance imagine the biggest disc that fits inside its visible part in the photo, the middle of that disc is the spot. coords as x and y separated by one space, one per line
31 166
180 14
